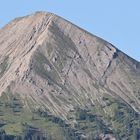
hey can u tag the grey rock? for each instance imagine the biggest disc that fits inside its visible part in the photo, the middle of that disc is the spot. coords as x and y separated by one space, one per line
59 66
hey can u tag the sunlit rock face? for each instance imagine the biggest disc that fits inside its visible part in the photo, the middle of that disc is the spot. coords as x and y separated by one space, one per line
61 70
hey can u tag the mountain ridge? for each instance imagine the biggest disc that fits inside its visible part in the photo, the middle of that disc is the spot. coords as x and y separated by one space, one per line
55 15
59 68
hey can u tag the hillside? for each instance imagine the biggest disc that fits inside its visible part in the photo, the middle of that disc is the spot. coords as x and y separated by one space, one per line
62 83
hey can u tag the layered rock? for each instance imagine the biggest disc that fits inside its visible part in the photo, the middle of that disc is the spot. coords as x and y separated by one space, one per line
57 67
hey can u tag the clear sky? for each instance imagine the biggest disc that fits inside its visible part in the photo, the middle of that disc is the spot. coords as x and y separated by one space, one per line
117 21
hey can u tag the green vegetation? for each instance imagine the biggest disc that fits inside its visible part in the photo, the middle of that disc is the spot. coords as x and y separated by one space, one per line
17 121
91 124
115 117
122 118
15 118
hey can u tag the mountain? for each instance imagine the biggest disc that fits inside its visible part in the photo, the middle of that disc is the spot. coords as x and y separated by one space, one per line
59 82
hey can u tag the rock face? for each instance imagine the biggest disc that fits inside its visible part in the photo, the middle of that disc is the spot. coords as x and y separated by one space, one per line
58 68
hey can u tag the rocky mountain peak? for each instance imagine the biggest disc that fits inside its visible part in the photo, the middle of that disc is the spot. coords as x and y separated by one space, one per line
59 69
24 36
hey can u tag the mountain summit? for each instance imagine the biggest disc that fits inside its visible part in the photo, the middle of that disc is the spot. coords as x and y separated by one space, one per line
65 82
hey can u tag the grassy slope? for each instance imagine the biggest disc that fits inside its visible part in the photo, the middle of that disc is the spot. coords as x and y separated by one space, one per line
14 118
122 121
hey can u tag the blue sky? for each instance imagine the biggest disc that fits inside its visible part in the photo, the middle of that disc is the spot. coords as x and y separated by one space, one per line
117 21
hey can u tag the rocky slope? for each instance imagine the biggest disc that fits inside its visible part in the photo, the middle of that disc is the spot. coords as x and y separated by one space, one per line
52 67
